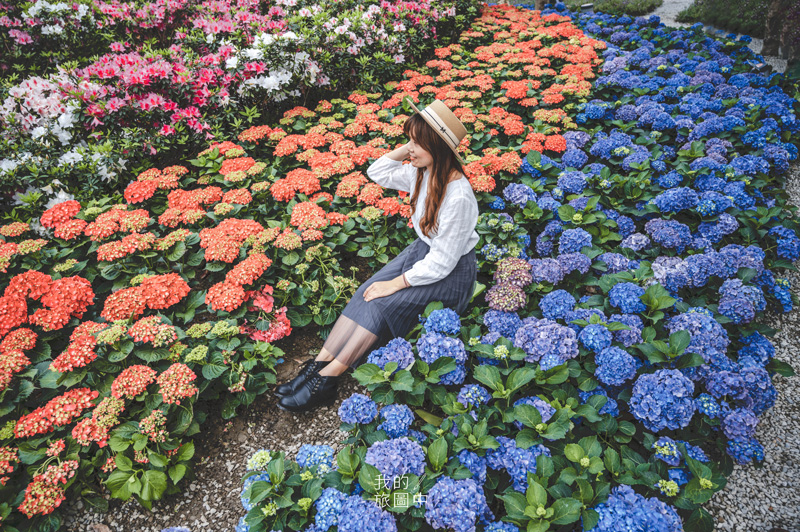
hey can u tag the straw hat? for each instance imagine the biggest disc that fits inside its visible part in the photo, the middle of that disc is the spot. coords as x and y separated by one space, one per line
444 123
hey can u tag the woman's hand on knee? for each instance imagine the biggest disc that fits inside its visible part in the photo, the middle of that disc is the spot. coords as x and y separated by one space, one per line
381 289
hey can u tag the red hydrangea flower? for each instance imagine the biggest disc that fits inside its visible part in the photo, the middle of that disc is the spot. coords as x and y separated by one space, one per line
225 296
60 213
78 354
56 413
89 431
176 383
30 284
124 304
163 291
70 229
250 269
132 381
45 493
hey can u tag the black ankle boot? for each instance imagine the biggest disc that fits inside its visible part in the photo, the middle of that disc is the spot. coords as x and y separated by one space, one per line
315 391
308 368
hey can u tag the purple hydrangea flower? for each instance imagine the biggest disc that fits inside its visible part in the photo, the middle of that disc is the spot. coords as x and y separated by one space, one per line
539 338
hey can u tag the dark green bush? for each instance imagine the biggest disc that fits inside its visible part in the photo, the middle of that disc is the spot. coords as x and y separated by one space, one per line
739 16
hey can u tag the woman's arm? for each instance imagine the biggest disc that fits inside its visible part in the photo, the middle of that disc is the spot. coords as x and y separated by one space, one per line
455 229
389 171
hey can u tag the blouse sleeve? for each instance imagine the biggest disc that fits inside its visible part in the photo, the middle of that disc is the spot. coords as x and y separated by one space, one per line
391 174
456 226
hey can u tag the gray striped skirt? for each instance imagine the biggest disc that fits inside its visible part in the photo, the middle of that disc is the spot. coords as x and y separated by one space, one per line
395 315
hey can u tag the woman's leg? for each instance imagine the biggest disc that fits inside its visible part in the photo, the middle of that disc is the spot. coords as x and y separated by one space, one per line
346 344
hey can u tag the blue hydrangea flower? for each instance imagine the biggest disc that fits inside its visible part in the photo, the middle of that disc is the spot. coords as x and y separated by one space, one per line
397 350
759 386
611 407
740 424
244 496
574 262
627 297
321 456
432 346
445 321
666 450
572 182
627 510
242 526
573 240
502 323
473 395
614 366
630 336
359 515
669 234
396 457
663 400
707 335
676 199
516 461
707 405
497 203
745 451
397 419
546 270
615 262
595 337
328 506
556 304
758 347
358 408
519 194
456 505
476 464
500 526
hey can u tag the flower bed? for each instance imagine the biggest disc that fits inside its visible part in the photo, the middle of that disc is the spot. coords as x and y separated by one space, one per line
172 75
617 369
617 345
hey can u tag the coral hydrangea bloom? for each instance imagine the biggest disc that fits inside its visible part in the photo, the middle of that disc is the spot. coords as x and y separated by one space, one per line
60 213
124 304
176 383
163 291
225 296
132 381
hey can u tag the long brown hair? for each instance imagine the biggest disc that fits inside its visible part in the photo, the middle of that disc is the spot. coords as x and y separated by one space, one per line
444 165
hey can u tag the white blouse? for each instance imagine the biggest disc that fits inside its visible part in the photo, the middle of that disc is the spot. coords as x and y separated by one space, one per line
458 215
